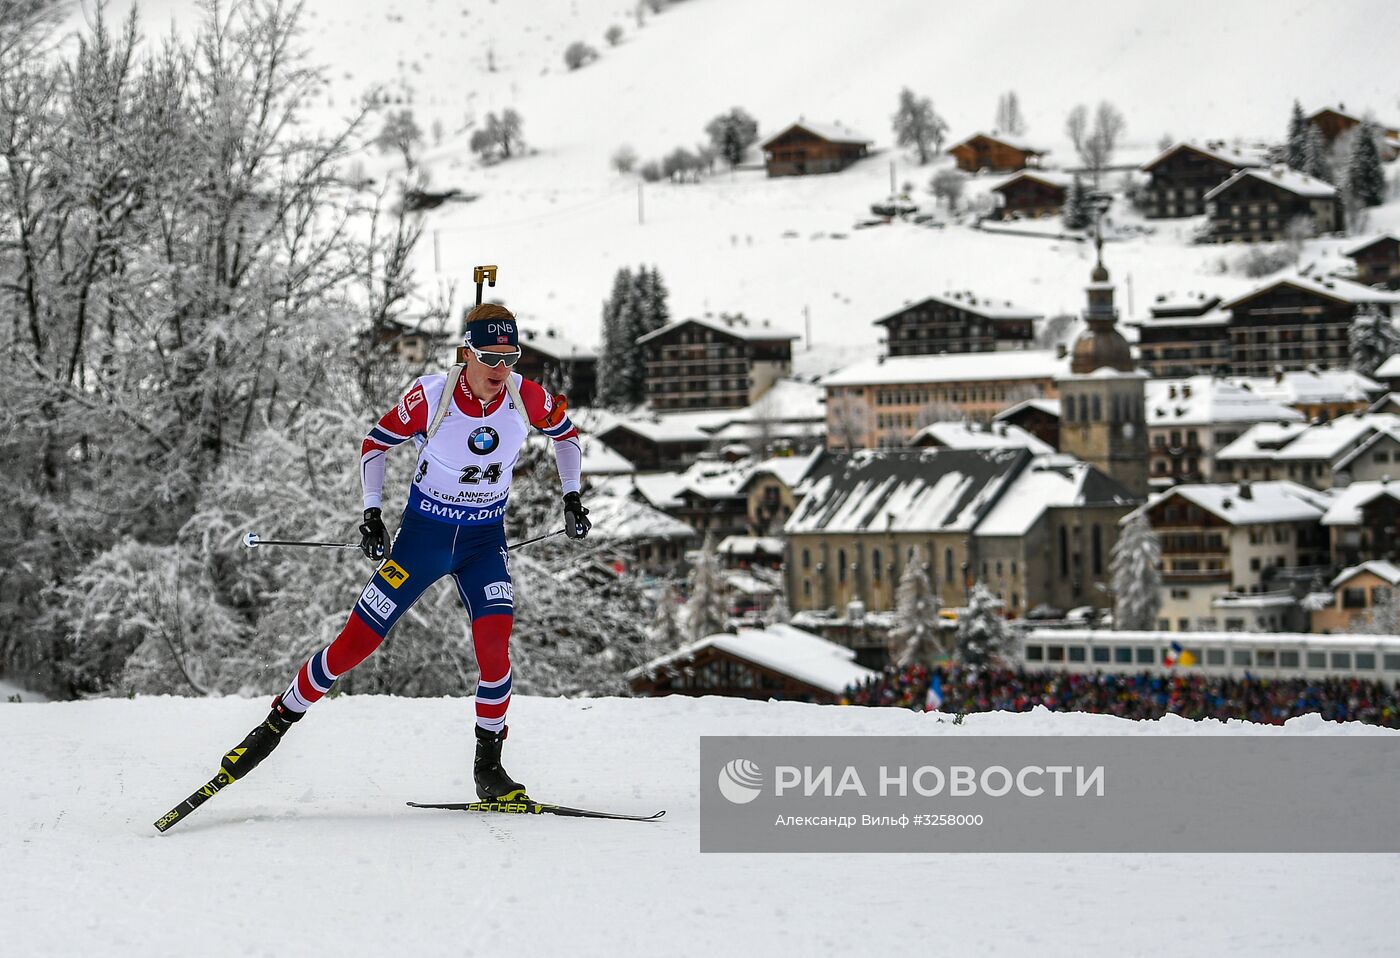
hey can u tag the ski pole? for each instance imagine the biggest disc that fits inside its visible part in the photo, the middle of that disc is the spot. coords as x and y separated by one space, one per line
548 535
252 540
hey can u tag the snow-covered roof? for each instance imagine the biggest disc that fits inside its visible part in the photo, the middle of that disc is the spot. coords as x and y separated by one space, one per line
1312 386
1348 501
1198 639
620 518
1298 441
745 330
1281 176
750 545
1050 407
1205 400
1390 368
661 490
673 427
1388 571
1228 157
1250 503
1214 317
551 343
834 132
966 435
716 480
1010 365
1386 433
1048 482
968 302
1048 177
904 490
782 648
787 400
1261 600
1014 142
1342 290
788 470
1366 244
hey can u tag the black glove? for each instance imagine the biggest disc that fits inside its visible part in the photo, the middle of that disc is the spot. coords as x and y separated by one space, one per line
576 524
374 538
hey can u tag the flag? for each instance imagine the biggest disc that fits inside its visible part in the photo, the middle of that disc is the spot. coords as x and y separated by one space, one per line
934 700
1179 656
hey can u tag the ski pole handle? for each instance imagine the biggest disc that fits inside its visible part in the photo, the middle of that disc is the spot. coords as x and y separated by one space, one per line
252 540
548 535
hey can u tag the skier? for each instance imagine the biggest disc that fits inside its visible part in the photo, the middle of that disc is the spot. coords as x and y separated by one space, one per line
454 524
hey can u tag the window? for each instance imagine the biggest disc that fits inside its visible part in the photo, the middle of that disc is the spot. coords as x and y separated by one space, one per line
1035 653
1288 659
1102 654
841 565
947 565
1317 660
1215 656
1076 653
875 564
1097 544
1391 661
1341 660
1353 598
1122 655
1144 656
1266 658
1055 653
1241 657
1365 661
806 558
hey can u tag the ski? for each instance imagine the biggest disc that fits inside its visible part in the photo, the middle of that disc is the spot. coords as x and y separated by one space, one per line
201 795
529 806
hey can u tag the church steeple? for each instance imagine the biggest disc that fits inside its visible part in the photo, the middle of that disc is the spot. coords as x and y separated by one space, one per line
1101 345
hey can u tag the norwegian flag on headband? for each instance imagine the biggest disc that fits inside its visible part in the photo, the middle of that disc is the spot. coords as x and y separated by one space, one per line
503 340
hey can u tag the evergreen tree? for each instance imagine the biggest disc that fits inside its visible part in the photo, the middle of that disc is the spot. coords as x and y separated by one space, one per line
1372 339
1365 175
1137 579
707 610
1315 160
612 388
983 636
1297 149
916 124
732 134
656 312
1079 214
914 640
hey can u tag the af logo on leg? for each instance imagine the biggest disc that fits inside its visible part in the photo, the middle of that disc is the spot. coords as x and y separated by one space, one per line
483 441
393 573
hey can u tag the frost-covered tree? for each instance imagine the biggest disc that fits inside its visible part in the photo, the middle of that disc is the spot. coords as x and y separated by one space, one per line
1371 339
1079 212
707 608
1316 162
500 137
402 133
947 185
915 637
777 611
656 312
667 630
1385 614
1365 175
983 637
613 358
624 159
1137 577
1097 142
1009 119
579 54
613 35
918 125
1296 148
732 134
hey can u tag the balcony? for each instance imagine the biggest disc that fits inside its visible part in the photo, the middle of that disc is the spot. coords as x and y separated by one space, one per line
1196 576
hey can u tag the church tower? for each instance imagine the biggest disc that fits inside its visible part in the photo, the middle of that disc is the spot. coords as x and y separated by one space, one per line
1103 419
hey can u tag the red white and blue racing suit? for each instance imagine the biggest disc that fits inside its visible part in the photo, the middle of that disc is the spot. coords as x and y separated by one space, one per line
453 525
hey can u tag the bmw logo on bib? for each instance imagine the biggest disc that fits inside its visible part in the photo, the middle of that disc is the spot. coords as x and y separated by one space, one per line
484 441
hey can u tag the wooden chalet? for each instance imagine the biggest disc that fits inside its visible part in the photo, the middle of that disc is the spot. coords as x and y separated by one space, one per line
1261 205
1295 323
1039 417
1032 194
995 154
804 148
1332 123
1377 261
559 365
959 322
1184 336
1183 174
713 364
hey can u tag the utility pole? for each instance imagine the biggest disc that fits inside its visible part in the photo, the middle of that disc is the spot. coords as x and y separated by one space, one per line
437 253
807 323
640 218
892 192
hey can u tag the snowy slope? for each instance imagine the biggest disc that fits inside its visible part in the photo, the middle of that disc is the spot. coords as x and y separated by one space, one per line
560 222
316 854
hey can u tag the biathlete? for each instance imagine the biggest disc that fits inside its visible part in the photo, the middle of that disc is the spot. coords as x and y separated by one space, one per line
454 524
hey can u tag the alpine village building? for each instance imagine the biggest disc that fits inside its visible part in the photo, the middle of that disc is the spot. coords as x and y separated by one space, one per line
559 365
1377 261
1032 194
804 148
1262 206
1183 174
994 153
958 322
722 363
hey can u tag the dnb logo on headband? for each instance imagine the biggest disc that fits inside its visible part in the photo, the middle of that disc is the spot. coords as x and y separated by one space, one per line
483 441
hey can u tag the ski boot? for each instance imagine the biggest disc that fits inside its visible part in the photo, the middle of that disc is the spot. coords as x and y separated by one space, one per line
493 783
247 754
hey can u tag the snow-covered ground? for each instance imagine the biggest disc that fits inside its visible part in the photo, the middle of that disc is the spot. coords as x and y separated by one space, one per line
9 690
315 852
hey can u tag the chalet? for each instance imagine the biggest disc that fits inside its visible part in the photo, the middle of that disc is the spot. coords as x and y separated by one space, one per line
972 435
771 488
1038 417
653 442
413 339
994 153
1377 261
1262 206
722 363
805 148
1356 594
559 365
1319 394
1363 522
1190 420
960 322
637 537
1297 322
1361 447
1388 374
776 662
1184 335
993 515
1032 194
1183 174
880 403
1222 540
1332 123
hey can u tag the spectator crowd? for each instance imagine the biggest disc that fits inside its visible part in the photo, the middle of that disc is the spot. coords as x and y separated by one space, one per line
1143 695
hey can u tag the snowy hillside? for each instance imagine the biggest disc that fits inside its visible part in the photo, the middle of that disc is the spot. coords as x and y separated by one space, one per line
560 221
315 853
